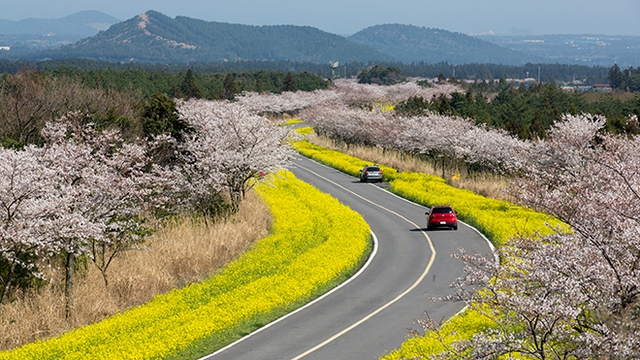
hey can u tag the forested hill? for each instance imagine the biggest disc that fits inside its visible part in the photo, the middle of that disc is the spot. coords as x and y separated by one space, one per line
154 37
410 43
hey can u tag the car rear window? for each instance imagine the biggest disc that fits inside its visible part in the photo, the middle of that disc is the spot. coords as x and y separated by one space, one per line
442 210
373 168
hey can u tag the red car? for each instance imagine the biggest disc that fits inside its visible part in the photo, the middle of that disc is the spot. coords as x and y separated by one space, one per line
441 216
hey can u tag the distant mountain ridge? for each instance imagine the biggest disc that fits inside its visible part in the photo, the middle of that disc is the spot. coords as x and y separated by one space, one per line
78 25
409 43
154 37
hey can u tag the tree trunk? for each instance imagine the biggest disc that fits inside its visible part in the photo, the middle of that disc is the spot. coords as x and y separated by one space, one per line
68 285
104 277
7 283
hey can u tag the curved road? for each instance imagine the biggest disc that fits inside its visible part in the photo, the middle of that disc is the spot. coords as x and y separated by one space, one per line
373 313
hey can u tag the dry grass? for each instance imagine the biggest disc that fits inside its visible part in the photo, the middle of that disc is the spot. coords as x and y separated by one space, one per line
485 183
183 252
599 96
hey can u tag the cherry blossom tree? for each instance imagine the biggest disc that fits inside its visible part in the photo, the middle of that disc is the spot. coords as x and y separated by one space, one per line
84 193
355 94
575 293
341 122
23 186
102 190
229 147
346 92
590 180
286 102
438 136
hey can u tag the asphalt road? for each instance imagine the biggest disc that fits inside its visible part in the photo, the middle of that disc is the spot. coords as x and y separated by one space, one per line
372 313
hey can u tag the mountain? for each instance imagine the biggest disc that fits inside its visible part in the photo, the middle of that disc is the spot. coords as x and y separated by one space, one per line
410 43
79 25
156 38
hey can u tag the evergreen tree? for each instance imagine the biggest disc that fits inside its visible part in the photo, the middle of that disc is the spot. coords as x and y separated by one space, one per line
230 88
537 129
381 75
160 116
259 86
189 87
615 76
289 83
414 106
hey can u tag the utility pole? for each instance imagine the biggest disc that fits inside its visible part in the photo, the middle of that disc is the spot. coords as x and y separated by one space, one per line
538 74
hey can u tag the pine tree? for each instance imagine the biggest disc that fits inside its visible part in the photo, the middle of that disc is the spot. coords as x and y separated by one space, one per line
615 76
289 83
230 88
189 87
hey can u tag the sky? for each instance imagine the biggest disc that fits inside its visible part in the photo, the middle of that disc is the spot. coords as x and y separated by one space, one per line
346 17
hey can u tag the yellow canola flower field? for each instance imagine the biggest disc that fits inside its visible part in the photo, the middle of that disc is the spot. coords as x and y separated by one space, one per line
315 243
498 220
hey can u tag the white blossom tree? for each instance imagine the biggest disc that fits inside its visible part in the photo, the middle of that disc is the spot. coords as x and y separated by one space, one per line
438 136
101 192
346 91
576 293
23 185
229 147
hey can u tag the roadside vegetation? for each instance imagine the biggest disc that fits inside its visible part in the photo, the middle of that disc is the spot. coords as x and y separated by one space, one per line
498 220
567 288
183 251
482 183
563 288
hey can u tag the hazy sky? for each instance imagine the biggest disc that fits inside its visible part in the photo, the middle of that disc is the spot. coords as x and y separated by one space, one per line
345 17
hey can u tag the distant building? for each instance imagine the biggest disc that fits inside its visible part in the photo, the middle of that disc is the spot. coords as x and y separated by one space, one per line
588 88
601 87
